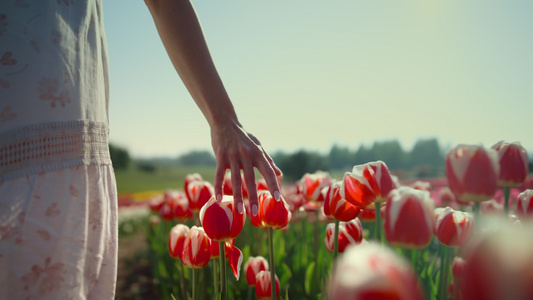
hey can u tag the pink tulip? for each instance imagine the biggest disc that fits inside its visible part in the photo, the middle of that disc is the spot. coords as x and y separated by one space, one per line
409 218
514 164
350 233
252 267
453 227
500 265
524 206
472 172
371 271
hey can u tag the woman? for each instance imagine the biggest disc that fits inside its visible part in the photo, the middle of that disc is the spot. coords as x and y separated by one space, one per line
58 212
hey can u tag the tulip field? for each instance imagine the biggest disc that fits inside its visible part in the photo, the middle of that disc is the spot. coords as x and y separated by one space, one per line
367 235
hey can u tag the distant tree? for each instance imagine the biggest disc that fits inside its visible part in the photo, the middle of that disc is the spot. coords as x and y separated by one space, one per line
341 158
119 157
197 158
391 153
295 165
426 152
363 155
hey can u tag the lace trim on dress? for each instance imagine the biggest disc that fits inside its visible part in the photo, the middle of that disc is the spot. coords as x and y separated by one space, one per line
52 146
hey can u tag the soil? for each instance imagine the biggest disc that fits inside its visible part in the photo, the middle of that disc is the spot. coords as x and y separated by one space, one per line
134 278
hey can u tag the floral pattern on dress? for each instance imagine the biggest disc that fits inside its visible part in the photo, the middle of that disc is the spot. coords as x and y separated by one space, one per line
49 90
52 277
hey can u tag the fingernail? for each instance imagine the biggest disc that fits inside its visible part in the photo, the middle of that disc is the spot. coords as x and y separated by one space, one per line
239 207
254 210
276 195
219 197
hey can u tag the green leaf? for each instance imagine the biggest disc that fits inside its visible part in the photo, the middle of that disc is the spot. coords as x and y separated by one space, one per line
309 278
172 297
287 294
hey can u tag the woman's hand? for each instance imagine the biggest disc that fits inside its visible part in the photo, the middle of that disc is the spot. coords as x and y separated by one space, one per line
237 150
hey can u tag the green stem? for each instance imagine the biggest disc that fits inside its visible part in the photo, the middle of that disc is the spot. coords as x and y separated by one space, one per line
444 270
336 245
183 283
223 288
506 192
477 216
216 276
378 222
315 270
272 263
194 283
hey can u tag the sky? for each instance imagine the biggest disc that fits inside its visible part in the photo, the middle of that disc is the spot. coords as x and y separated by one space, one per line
310 74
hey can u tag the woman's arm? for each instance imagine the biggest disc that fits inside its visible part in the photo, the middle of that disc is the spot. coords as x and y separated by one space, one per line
234 148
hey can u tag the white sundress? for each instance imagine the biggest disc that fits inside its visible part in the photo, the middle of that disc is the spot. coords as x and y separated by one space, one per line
58 208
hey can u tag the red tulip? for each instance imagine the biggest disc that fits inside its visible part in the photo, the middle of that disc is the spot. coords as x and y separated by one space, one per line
514 164
458 267
421 185
188 179
367 215
338 207
327 200
271 213
262 285
176 240
472 172
371 271
500 265
196 249
453 227
227 186
215 248
156 203
446 196
491 207
199 192
350 233
312 184
360 187
409 218
524 206
181 209
253 266
383 179
166 211
235 257
221 220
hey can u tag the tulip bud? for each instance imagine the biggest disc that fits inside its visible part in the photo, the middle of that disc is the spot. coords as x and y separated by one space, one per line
220 220
338 207
384 179
524 206
350 233
253 266
472 172
262 285
514 164
188 179
453 227
199 193
271 213
409 218
176 240
371 271
500 264
312 185
360 187
181 209
196 249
